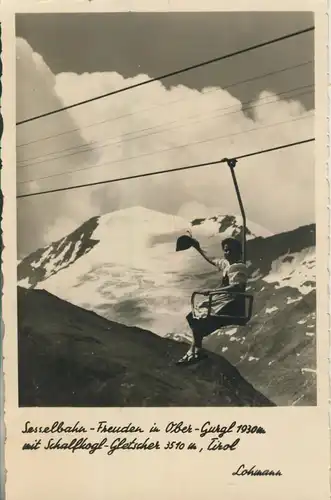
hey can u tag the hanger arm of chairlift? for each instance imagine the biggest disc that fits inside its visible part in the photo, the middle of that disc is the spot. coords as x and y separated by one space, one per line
232 163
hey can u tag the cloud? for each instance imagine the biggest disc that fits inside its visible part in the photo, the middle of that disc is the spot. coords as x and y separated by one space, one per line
153 128
35 95
180 39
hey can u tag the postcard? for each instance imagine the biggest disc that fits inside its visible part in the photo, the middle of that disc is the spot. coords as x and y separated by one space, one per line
165 250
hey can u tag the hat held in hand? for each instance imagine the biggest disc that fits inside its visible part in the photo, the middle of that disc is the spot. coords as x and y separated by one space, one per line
185 242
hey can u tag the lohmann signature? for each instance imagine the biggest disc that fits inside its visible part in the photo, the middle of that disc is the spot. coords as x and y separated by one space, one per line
243 470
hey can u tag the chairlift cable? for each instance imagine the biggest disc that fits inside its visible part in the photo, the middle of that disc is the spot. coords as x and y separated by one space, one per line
165 171
167 75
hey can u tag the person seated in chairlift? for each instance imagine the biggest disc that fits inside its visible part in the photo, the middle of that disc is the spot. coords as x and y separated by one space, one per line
234 279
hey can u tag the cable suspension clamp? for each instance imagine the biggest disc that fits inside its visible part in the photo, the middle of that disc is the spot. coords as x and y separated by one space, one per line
232 162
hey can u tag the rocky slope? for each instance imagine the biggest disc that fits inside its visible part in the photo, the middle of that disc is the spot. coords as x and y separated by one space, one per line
72 357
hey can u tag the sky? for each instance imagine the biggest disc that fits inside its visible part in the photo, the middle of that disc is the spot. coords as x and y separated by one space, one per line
254 101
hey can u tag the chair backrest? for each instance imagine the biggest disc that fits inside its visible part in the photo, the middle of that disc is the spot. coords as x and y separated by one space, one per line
245 313
248 306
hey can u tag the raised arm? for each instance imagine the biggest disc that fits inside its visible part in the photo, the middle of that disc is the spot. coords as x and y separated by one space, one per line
198 248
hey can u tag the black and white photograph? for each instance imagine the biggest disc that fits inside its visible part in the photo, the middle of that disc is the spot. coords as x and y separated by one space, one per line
166 209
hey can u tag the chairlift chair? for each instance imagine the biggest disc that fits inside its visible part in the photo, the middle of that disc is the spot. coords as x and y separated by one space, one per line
247 302
245 311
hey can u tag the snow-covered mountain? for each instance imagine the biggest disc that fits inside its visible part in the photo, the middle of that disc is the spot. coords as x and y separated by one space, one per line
227 225
123 266
130 237
112 237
